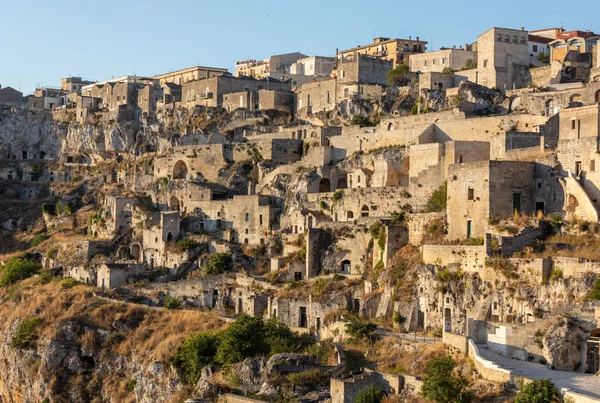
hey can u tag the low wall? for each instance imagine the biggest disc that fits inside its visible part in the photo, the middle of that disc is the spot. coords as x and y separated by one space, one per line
231 398
470 258
576 267
487 369
456 340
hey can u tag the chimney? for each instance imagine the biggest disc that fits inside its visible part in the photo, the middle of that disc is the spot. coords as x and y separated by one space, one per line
409 38
522 28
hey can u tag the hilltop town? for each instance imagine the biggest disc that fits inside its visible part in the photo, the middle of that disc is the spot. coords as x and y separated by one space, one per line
308 228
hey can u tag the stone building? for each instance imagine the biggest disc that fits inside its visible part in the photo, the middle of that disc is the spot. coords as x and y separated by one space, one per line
210 92
276 64
503 58
183 76
344 390
161 228
313 66
442 59
73 84
398 51
482 190
111 275
260 100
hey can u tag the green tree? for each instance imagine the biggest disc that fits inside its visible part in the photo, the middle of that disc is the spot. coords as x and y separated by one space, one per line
17 269
398 76
361 330
595 291
441 384
218 263
280 338
543 57
196 352
372 394
243 338
437 200
170 302
540 391
26 333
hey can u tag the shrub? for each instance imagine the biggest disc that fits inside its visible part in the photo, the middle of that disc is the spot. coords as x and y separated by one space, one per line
595 291
539 391
309 379
26 333
446 275
323 205
68 282
372 394
218 263
361 121
337 196
170 302
196 352
503 265
398 217
17 269
45 277
442 384
280 338
38 239
557 274
186 244
397 76
437 200
361 330
131 385
243 338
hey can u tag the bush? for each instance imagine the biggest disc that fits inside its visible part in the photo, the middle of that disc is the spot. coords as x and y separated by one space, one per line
323 205
539 391
361 121
398 217
309 379
372 394
131 385
186 244
361 330
243 338
218 264
196 352
437 200
26 333
170 302
17 269
48 209
337 196
595 291
68 282
397 76
442 384
45 277
38 239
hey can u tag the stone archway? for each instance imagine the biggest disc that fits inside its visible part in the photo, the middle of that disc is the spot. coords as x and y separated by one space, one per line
345 266
136 251
174 203
364 211
342 184
324 185
180 170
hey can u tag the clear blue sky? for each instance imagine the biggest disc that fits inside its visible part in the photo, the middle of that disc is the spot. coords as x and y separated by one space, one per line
44 40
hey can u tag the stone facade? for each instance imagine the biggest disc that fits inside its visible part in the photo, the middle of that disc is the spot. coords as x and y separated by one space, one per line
439 60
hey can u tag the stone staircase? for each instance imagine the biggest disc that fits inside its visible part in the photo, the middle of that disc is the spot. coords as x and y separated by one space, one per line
240 260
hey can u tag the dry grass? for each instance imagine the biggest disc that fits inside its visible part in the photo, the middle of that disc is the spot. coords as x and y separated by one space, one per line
580 245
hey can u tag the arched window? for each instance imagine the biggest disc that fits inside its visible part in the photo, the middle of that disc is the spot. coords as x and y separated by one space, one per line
506 39
514 39
522 40
324 186
364 211
499 38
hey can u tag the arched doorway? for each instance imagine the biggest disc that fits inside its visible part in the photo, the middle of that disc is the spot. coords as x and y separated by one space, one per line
350 215
324 186
364 211
174 203
124 252
345 266
342 184
135 251
180 170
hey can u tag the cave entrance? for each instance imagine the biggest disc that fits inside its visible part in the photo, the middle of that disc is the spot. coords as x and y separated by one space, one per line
593 352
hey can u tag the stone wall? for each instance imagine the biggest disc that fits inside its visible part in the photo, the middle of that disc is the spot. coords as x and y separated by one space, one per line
541 76
575 267
459 342
417 225
470 258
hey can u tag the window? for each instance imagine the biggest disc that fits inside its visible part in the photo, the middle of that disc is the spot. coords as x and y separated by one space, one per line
499 38
433 62
471 194
506 39
424 63
343 74
247 216
442 61
535 48
572 124
514 39
485 63
592 165
522 41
